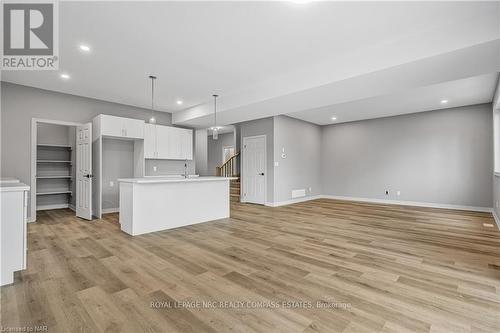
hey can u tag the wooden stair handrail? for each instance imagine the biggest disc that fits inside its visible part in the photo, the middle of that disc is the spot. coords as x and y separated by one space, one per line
227 169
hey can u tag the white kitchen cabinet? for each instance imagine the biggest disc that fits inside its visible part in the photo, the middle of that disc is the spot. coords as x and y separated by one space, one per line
13 224
168 143
118 127
150 141
187 145
175 143
108 131
163 142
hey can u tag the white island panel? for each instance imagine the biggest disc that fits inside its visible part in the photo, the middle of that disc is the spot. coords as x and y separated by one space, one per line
149 205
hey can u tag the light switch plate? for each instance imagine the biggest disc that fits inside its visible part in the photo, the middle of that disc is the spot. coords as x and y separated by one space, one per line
276 164
155 168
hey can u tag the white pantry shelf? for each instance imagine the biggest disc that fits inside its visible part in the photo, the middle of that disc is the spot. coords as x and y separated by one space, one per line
47 145
53 192
53 177
52 161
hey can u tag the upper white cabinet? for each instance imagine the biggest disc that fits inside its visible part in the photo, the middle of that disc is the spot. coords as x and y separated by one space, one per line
169 143
119 127
187 144
149 141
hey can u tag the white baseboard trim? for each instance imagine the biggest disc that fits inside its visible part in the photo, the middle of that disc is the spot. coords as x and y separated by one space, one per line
110 210
496 218
292 201
410 203
48 207
72 207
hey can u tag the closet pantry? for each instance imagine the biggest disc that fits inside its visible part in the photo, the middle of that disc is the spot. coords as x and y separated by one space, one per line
55 175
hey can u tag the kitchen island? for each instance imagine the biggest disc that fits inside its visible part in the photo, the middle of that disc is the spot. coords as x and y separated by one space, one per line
152 204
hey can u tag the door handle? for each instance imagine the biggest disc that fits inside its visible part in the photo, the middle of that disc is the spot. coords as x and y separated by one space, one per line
88 176
261 174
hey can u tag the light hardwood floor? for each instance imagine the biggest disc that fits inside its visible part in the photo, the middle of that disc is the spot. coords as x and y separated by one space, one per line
384 268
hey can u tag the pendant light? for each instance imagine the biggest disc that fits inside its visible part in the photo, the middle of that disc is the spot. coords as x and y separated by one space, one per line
215 129
152 120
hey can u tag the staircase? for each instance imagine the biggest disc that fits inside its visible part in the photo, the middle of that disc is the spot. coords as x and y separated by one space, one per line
229 169
235 189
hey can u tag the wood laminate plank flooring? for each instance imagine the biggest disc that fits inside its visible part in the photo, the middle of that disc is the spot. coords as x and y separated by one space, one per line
317 266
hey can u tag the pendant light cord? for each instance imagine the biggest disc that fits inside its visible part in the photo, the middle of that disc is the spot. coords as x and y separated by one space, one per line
153 78
152 94
215 111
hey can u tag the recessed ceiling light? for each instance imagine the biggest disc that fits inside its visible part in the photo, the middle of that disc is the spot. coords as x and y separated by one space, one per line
444 101
334 118
179 102
84 47
64 76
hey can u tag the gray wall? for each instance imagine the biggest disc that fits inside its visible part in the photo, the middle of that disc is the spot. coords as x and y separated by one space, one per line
496 177
440 157
496 194
215 150
72 140
201 152
265 127
118 162
52 134
301 169
19 104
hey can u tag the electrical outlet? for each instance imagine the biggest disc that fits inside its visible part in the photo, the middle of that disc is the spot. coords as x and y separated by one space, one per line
310 189
497 204
398 193
386 192
155 168
276 164
111 183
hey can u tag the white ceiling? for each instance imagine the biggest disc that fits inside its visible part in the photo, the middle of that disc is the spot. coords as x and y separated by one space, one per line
473 90
263 57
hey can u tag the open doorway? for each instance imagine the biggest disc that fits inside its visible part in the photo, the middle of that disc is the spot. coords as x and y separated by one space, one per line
60 167
220 150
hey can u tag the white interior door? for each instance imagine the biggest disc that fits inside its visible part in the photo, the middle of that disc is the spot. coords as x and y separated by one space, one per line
84 171
254 169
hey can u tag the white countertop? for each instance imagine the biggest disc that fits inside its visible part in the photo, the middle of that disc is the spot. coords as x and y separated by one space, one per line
10 187
8 180
167 179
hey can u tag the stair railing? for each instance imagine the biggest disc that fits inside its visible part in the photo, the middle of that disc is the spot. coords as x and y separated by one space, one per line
228 168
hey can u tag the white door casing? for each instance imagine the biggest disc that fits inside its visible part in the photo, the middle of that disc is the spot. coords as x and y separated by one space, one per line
254 178
84 171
